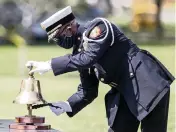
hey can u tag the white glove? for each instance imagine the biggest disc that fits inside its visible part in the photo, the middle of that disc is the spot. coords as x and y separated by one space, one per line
41 67
60 107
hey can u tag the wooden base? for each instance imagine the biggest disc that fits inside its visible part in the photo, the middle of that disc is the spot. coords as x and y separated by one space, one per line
30 119
21 126
29 123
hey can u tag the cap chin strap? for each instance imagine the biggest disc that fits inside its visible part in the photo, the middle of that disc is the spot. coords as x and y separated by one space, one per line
106 22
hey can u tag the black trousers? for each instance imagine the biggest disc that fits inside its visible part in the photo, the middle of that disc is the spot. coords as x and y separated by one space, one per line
155 121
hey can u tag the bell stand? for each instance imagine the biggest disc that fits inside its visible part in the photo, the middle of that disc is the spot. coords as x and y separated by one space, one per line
30 122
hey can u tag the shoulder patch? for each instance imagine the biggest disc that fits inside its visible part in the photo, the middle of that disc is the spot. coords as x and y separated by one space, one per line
96 31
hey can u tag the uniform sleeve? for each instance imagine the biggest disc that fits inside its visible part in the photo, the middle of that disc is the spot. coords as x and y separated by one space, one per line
84 59
87 92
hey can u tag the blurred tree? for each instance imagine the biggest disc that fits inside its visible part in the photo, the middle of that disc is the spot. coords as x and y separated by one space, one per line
10 23
159 27
45 5
80 8
109 6
87 10
10 14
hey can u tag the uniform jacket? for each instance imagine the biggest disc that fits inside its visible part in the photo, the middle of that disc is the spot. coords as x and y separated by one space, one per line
132 73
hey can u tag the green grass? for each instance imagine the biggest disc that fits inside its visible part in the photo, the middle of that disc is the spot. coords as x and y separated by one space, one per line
90 119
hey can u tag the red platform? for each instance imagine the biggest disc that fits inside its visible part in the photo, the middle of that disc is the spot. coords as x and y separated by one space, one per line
29 123
21 126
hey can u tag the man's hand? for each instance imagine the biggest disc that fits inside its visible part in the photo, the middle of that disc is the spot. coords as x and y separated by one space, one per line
41 67
60 107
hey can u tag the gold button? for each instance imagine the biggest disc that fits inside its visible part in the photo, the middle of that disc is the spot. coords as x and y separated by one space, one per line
95 69
79 50
102 79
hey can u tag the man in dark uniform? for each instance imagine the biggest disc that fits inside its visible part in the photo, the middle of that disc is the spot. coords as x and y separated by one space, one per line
101 52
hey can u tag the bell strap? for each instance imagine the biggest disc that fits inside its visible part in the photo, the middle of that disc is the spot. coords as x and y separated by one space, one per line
43 105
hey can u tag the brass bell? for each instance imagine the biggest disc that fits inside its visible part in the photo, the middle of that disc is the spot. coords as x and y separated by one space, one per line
30 92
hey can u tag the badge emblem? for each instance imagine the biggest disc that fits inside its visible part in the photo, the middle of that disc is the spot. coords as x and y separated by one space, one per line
95 32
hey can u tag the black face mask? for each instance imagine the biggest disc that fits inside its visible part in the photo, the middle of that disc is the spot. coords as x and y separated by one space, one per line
65 41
